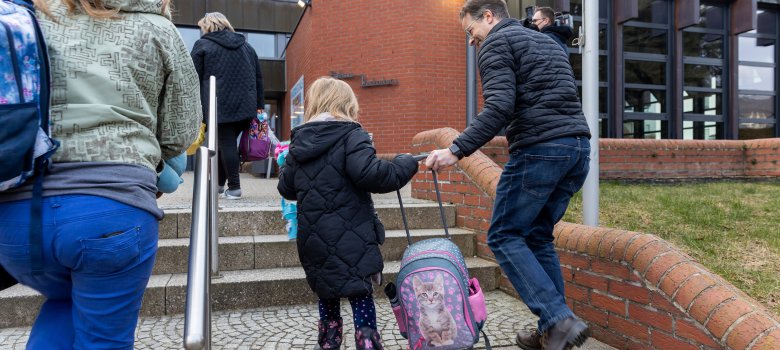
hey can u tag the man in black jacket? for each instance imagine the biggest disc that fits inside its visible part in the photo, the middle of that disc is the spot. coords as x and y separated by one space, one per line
528 86
544 19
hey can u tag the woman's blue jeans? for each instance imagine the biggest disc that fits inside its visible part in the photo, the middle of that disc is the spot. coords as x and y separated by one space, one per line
98 255
532 196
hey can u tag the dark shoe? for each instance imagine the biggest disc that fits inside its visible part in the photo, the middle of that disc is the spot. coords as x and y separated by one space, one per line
529 340
368 338
567 333
330 334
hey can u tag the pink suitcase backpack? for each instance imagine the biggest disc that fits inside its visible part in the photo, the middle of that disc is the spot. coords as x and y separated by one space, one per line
436 304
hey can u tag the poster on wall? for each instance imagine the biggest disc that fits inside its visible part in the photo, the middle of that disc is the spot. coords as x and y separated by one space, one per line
296 103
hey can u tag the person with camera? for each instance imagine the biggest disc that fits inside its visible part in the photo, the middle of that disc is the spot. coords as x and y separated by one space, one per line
544 20
529 88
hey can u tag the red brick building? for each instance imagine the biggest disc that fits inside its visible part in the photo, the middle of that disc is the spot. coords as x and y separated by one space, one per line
418 44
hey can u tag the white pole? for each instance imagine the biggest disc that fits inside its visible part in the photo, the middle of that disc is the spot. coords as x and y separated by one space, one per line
590 105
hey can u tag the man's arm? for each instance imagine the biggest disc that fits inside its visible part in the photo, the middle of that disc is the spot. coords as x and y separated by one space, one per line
499 87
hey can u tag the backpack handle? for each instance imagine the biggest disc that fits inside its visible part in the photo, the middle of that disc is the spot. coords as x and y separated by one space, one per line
420 157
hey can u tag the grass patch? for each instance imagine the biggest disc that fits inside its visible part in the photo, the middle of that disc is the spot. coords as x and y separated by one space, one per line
732 228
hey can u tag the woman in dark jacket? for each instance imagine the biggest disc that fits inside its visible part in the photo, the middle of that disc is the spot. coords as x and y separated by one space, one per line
331 171
225 54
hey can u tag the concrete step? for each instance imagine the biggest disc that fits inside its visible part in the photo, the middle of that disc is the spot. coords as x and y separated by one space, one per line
267 220
234 290
273 251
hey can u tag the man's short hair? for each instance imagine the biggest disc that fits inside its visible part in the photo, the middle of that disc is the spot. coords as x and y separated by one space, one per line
476 9
546 12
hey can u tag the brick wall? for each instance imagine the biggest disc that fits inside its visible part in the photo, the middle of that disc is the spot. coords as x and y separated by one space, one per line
419 43
636 290
762 157
622 159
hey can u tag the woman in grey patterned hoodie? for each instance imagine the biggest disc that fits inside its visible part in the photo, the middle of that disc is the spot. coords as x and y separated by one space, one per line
125 95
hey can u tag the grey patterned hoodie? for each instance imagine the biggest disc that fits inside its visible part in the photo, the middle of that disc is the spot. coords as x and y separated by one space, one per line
128 91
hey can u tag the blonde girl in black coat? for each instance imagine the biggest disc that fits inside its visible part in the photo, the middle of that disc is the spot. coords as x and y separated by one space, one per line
331 171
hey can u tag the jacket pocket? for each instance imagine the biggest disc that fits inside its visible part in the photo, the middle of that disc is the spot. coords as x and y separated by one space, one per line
111 253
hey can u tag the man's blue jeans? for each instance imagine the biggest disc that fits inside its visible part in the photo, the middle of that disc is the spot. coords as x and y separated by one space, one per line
97 258
532 196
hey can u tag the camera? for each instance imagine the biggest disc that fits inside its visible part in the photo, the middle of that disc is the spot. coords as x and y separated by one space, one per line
561 19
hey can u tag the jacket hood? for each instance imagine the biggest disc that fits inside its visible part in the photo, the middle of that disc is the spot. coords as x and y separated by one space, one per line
226 39
313 139
142 6
563 32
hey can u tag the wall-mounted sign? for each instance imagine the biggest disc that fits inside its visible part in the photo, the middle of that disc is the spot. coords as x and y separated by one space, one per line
363 81
297 103
338 75
371 83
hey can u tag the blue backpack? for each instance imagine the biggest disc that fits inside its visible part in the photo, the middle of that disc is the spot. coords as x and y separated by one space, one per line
25 144
24 96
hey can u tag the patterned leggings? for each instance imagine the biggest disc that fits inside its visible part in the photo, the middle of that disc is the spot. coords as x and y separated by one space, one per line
363 310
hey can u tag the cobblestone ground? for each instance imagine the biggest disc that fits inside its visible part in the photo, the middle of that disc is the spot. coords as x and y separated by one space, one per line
294 327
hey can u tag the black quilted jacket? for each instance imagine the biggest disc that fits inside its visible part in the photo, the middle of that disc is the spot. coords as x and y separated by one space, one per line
527 84
227 56
331 170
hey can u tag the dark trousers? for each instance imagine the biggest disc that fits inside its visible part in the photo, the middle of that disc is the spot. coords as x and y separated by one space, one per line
227 136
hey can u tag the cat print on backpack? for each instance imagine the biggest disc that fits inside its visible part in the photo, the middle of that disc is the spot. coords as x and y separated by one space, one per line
437 310
436 322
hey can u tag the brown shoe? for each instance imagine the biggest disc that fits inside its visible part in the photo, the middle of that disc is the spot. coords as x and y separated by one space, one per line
529 340
566 334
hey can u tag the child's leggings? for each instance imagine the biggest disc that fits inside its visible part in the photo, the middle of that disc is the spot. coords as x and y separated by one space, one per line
363 310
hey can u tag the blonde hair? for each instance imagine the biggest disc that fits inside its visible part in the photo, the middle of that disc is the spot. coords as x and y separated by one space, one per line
94 8
213 22
329 95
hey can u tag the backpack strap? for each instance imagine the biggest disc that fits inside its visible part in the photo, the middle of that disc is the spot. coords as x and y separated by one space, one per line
487 341
41 163
36 219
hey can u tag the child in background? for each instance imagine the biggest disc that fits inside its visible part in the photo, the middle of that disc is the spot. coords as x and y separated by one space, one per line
289 208
331 170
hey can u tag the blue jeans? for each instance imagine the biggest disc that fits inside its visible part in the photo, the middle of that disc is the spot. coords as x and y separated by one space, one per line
97 258
532 195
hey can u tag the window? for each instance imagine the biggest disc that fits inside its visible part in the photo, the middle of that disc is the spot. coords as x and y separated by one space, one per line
646 71
265 44
757 79
576 59
703 62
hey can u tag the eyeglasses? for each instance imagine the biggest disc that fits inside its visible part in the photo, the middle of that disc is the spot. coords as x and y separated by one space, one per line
468 28
536 20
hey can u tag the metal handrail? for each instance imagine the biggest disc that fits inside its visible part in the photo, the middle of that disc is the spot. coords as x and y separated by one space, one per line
197 316
203 238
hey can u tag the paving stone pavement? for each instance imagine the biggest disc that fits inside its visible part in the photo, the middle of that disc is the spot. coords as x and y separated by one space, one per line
294 327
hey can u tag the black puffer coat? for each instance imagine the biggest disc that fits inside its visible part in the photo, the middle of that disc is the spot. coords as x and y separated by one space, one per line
527 83
331 170
227 56
561 35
